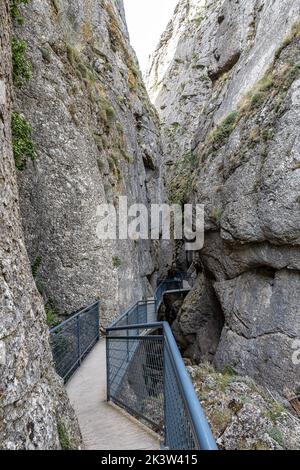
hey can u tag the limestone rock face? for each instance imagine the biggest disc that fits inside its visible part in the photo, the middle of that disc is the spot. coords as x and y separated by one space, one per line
242 414
34 409
211 54
200 321
261 342
234 146
97 138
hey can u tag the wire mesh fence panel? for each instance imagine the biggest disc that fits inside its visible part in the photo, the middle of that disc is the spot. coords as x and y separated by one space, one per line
140 313
165 286
134 319
151 312
88 330
179 434
65 348
117 362
147 376
135 374
73 339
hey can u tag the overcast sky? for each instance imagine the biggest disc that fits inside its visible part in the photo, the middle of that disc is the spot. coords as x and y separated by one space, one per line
147 19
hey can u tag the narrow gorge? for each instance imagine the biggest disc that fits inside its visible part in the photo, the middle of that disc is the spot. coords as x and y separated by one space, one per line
214 121
225 81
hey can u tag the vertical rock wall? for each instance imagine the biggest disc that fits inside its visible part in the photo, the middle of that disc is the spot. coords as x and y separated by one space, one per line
96 138
228 97
34 410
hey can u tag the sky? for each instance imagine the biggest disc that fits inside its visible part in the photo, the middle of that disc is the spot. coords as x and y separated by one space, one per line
147 20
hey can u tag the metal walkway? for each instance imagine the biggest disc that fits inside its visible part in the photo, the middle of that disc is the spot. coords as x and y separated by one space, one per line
139 368
146 375
103 426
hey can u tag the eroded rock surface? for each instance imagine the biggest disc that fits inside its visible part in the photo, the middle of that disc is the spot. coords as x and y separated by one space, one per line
225 79
200 320
96 137
34 410
243 415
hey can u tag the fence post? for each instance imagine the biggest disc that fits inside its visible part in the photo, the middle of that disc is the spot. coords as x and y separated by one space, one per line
98 321
107 368
78 340
137 318
165 392
127 334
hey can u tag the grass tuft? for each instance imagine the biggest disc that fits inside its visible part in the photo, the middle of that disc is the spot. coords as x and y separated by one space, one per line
15 10
23 147
52 319
64 439
223 130
36 266
117 262
22 67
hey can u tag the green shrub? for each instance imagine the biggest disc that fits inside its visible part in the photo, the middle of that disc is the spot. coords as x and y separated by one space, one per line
40 286
110 114
117 262
64 439
277 436
23 146
198 20
111 164
72 54
36 266
128 158
175 125
51 317
217 215
257 99
115 159
295 33
275 411
101 165
15 10
229 370
180 185
22 67
82 69
224 129
190 160
293 73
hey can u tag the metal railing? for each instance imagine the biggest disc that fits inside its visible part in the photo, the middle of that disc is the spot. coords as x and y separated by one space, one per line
147 376
73 339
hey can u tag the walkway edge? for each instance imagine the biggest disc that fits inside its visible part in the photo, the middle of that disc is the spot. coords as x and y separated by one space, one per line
137 422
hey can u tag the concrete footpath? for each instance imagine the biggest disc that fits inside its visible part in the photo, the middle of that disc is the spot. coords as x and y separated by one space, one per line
104 426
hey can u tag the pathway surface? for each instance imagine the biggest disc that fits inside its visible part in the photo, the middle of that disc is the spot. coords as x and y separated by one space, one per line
104 426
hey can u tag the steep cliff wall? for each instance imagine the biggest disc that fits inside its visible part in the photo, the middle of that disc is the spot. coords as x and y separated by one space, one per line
212 52
96 137
229 100
34 410
174 81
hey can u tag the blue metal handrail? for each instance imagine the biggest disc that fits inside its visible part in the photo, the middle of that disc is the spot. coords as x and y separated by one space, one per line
159 361
197 415
73 339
